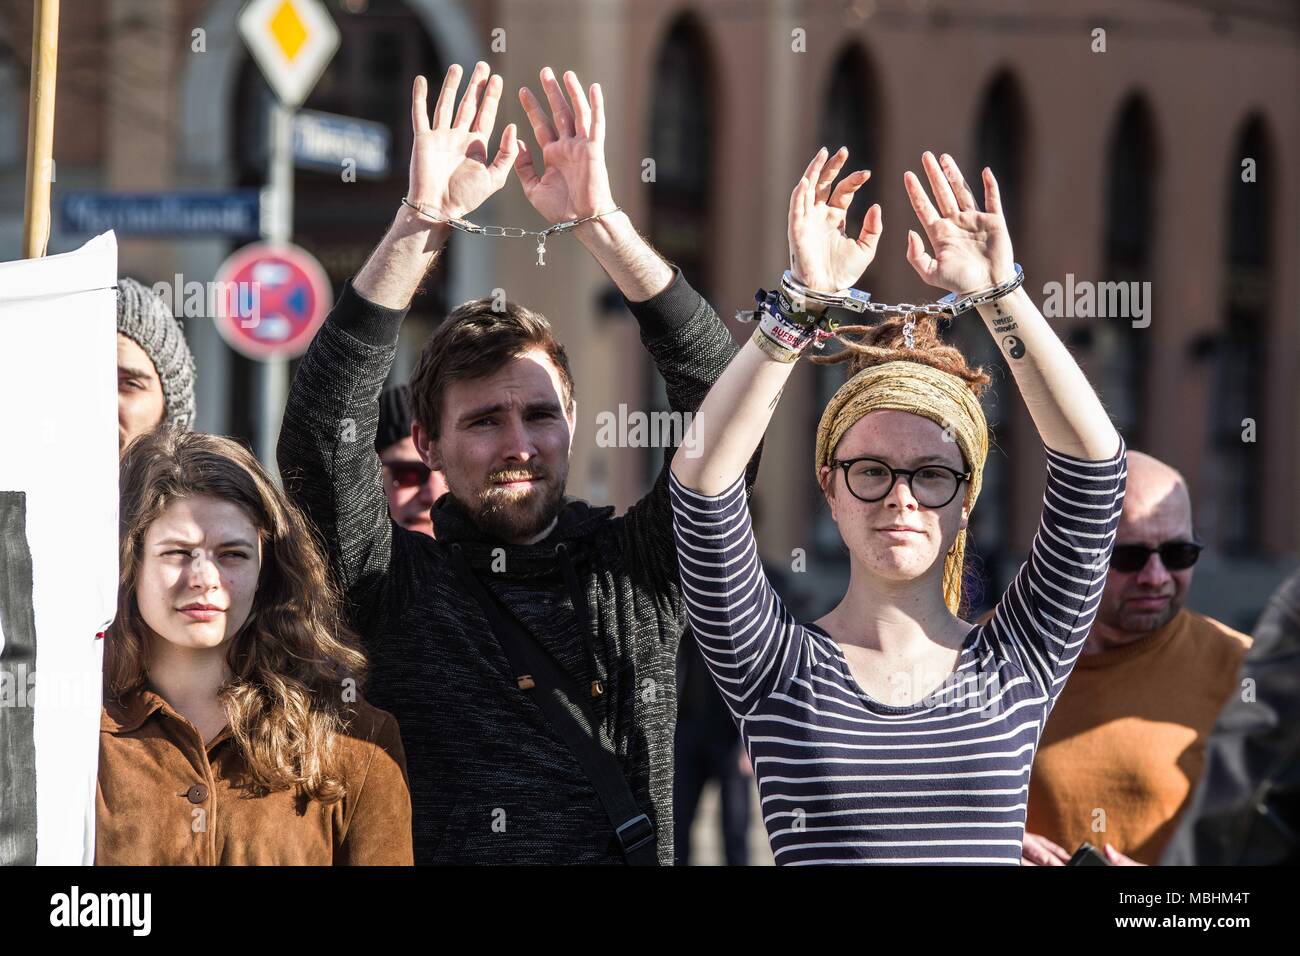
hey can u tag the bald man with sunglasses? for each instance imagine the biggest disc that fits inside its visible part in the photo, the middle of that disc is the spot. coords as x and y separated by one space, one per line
1124 747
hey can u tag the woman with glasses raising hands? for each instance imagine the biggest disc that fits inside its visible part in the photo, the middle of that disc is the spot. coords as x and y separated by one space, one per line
891 730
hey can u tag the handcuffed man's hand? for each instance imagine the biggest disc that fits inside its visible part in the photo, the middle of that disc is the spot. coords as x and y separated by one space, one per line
575 184
450 172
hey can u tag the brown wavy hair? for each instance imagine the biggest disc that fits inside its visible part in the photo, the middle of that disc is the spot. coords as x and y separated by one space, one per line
884 342
284 701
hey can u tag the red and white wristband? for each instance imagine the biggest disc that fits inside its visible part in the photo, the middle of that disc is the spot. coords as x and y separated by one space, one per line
779 333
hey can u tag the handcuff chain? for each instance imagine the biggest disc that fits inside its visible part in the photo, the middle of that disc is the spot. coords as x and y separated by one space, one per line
507 232
855 300
510 232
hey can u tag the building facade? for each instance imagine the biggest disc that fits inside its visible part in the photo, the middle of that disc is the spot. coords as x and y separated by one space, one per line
1152 143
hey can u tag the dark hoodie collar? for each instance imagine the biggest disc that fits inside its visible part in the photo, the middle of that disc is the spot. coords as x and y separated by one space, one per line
570 545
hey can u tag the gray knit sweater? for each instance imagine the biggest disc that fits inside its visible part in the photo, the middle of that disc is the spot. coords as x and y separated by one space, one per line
490 781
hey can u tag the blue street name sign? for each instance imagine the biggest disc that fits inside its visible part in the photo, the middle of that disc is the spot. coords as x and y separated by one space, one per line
326 141
193 214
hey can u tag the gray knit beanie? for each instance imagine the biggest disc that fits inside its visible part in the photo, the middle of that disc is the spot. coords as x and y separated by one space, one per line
146 320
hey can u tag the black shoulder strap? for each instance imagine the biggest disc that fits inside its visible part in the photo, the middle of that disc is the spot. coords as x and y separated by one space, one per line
571 716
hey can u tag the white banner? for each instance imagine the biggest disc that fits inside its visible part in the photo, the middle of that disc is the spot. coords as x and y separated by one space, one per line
58 544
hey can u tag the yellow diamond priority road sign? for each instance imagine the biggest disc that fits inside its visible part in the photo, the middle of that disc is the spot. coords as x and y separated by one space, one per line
292 41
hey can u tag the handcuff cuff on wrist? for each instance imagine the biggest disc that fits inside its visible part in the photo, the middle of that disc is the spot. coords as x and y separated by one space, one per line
507 232
786 327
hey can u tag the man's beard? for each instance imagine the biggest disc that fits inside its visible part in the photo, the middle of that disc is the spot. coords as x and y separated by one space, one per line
516 515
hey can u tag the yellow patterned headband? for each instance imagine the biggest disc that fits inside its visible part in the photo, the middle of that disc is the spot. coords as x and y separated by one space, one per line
921 390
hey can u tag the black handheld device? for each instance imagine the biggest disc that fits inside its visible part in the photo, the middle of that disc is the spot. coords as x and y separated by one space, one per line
1088 855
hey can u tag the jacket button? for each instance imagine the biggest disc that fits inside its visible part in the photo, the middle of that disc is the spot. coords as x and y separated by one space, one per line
197 793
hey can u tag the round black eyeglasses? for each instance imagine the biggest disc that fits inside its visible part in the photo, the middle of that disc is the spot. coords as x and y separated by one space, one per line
870 479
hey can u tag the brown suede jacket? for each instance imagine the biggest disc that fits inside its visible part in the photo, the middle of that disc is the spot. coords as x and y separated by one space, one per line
163 798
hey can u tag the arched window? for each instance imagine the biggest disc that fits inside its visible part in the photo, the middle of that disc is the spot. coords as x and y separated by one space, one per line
338 221
1118 350
1000 144
11 137
1241 358
681 145
682 123
1000 140
850 119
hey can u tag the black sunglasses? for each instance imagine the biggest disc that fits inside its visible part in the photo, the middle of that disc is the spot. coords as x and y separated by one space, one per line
408 474
870 479
1174 555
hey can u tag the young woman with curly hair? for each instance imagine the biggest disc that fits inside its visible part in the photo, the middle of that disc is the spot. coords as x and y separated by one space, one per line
232 729
891 730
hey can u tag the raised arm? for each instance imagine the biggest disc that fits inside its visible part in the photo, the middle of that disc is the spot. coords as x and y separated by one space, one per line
575 184
736 413
326 447
749 640
1047 612
449 179
689 344
972 251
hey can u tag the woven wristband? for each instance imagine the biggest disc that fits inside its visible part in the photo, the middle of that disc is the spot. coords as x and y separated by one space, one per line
783 331
818 327
774 349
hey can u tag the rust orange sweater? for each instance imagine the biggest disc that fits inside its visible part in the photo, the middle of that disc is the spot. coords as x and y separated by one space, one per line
1125 745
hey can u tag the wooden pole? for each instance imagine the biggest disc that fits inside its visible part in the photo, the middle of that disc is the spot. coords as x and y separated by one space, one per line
40 127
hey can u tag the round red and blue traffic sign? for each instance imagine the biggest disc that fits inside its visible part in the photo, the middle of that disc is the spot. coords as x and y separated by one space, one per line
272 300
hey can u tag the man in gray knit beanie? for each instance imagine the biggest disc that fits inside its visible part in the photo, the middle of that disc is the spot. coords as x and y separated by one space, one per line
155 370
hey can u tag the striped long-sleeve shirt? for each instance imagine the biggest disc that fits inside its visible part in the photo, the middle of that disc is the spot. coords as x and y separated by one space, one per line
844 778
